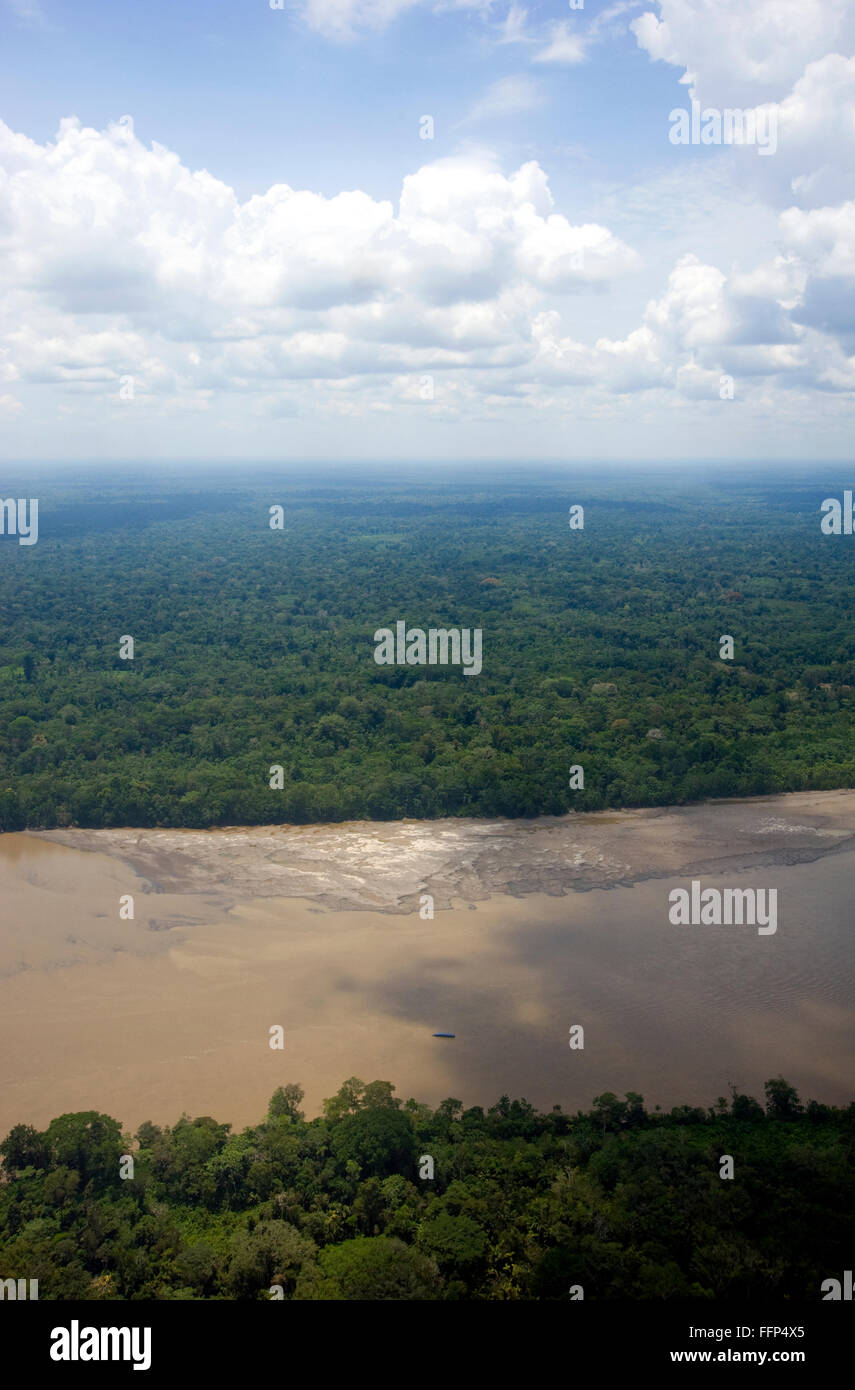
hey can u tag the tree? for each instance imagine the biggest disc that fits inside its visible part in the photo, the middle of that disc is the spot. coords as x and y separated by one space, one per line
559 1269
24 1147
273 1253
20 731
457 1243
636 1115
228 1168
380 1140
745 1107
609 1111
89 1142
286 1101
181 1157
379 1094
376 1268
61 1186
782 1100
346 1100
147 1134
196 1266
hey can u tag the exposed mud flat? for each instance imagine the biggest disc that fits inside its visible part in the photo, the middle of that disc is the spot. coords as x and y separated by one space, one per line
384 867
317 929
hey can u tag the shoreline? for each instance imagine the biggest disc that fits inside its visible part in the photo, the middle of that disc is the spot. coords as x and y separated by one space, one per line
385 866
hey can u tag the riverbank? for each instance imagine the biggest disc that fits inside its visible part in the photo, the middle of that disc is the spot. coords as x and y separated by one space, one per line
386 866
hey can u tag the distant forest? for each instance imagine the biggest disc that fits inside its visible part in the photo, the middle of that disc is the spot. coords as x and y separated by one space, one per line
254 648
613 1203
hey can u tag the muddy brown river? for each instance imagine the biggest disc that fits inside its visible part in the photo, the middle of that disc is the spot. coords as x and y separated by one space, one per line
538 926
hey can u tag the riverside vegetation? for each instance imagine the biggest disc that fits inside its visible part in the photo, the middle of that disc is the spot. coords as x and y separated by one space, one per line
522 1205
254 648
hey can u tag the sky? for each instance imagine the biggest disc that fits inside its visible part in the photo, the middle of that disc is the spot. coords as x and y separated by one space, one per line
408 231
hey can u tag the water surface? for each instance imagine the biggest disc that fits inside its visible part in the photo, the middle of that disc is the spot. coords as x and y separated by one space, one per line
172 1011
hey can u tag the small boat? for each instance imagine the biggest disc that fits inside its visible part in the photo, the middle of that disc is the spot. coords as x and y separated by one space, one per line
444 1035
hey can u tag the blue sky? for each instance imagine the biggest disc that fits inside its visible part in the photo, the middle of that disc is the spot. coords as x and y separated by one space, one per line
560 280
257 97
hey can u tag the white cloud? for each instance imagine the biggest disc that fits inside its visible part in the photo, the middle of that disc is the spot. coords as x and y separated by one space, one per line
568 42
654 37
566 45
117 259
28 10
783 60
508 97
823 241
705 325
824 238
513 28
817 131
343 19
737 51
346 19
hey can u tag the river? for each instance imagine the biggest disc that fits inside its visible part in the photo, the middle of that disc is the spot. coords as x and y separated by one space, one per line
537 926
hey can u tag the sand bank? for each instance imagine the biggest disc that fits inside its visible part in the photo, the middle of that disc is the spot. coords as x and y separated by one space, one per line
384 867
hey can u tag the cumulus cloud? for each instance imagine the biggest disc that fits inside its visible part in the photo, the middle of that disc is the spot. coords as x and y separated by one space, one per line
118 259
817 131
823 239
789 64
654 37
705 325
745 52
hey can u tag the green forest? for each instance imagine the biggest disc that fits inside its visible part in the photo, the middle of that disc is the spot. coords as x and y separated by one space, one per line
254 648
613 1203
